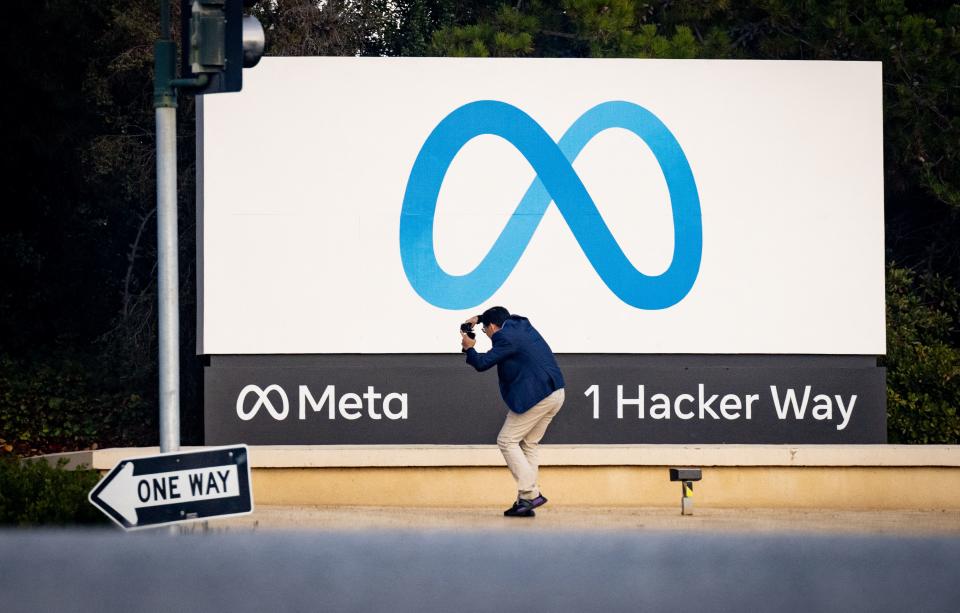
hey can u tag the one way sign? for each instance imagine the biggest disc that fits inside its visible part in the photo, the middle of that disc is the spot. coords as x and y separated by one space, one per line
176 487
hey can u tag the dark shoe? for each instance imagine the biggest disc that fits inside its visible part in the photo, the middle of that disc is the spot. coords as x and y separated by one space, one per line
539 501
521 508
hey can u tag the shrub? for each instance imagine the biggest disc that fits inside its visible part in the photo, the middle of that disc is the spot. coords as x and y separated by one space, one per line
32 492
53 403
923 359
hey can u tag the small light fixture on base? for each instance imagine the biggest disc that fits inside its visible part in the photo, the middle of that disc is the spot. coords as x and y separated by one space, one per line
686 476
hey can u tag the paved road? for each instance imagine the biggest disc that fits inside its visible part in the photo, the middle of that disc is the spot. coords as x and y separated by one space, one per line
490 571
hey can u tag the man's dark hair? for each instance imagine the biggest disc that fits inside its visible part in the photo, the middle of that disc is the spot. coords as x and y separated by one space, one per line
495 315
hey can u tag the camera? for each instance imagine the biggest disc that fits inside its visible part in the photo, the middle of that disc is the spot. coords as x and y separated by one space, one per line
468 328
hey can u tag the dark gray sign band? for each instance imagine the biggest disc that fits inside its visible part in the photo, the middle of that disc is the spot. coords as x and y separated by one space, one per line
610 399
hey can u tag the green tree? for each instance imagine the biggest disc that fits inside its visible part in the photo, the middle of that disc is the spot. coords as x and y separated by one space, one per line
509 33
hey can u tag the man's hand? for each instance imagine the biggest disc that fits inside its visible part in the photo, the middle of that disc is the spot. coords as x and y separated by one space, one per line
473 320
465 341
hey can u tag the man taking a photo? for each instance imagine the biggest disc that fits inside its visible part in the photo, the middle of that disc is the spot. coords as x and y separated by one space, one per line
532 386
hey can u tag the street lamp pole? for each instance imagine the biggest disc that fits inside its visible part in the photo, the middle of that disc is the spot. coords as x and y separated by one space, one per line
218 43
165 111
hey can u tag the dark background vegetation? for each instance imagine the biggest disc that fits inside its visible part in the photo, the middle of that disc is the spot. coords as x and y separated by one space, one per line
78 235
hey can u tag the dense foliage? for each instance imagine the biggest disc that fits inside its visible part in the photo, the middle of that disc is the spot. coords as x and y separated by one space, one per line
58 404
77 241
923 359
35 493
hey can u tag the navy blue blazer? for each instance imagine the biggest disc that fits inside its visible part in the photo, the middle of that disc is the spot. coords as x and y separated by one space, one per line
527 370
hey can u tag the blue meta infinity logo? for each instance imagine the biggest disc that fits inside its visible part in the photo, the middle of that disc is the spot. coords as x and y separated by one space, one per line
556 181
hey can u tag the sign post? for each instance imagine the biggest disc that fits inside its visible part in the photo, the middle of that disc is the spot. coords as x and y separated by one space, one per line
173 488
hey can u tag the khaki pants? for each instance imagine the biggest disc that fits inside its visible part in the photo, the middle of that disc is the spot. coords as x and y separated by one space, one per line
519 438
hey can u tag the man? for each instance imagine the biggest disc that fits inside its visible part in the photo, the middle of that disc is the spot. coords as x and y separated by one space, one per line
532 386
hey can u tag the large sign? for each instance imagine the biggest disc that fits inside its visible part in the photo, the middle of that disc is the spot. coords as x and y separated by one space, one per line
368 205
701 242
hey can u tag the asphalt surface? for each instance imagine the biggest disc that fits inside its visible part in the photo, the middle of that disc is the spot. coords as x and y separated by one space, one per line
414 570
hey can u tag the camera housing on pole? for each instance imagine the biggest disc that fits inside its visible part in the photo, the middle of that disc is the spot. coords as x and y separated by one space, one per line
217 42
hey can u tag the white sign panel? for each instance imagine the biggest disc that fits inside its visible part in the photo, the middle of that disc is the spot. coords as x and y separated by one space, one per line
170 488
369 205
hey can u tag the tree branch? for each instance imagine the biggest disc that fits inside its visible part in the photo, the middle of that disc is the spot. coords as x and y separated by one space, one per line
131 259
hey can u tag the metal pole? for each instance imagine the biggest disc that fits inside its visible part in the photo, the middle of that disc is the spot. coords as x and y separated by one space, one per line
168 286
165 103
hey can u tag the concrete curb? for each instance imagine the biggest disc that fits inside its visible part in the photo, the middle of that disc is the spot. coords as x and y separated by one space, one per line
356 456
